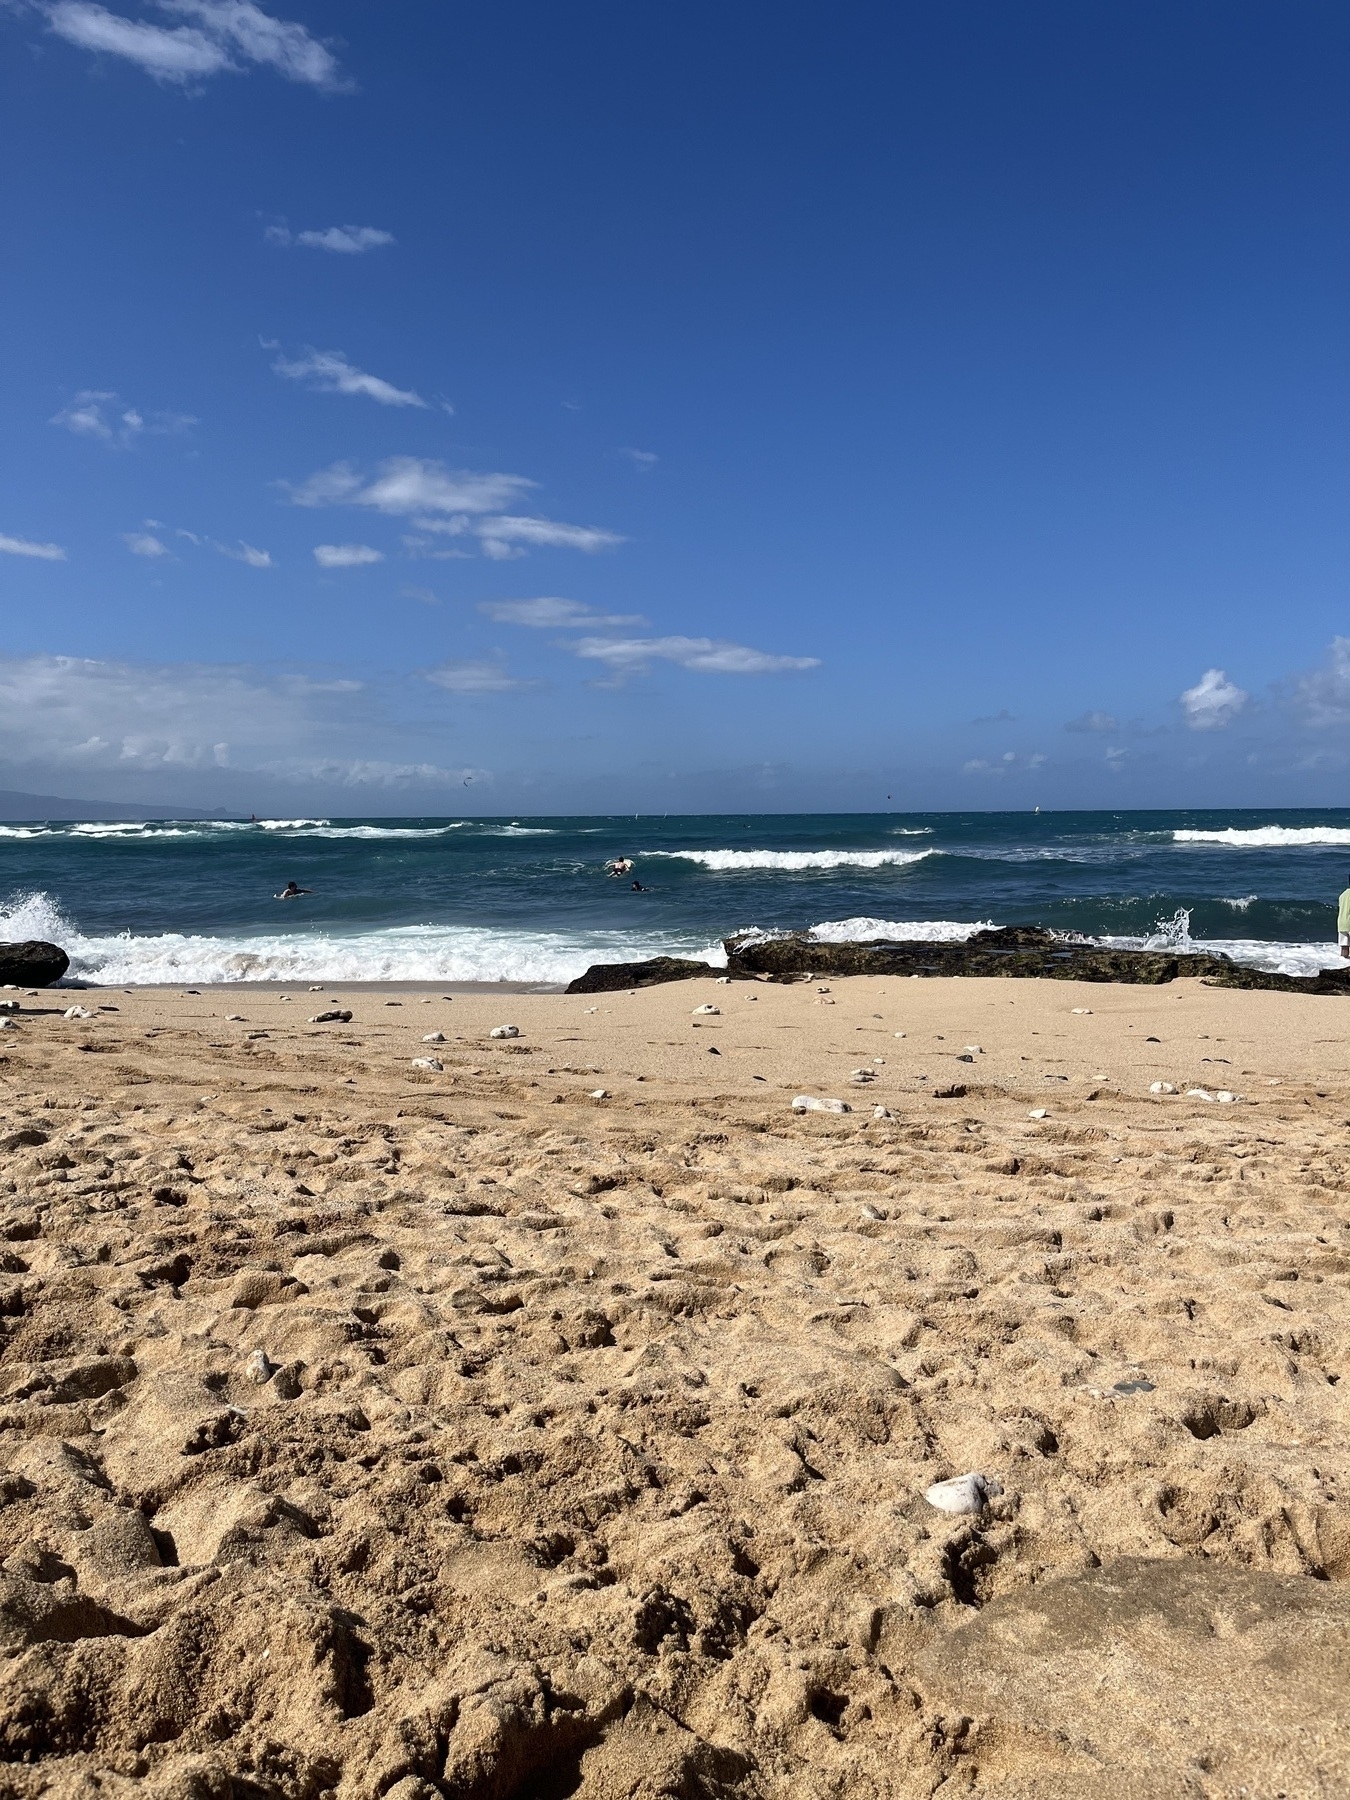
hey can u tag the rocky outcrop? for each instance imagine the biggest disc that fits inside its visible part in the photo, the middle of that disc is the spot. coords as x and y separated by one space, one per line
32 964
612 978
1012 951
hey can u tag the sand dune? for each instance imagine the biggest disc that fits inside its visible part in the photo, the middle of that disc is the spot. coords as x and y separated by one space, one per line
373 1430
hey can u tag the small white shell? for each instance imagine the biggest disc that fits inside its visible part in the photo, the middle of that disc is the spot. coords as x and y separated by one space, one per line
963 1493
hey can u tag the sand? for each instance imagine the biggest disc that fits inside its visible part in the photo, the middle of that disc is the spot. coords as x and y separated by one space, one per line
376 1431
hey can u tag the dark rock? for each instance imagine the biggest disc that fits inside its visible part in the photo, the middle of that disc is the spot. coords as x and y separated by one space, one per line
1015 950
32 964
613 978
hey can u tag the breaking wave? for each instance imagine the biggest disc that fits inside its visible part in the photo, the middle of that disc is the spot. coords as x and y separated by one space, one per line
1270 837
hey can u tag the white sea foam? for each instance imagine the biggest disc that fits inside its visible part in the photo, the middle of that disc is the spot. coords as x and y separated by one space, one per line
1278 959
794 861
920 931
1269 837
448 953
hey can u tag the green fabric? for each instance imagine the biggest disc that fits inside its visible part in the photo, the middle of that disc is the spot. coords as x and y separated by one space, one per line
1343 915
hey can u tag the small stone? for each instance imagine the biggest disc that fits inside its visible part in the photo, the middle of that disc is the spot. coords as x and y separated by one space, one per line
505 1031
8 1025
899 1034
880 1112
234 1019
1227 1099
707 1012
9 1006
722 980
599 1094
316 990
429 1062
259 1367
963 1493
434 1037
863 1076
869 1211
338 1016
713 1050
1199 1094
811 1103
974 1050
1161 1087
1086 1011
77 1012
1038 1112
824 1002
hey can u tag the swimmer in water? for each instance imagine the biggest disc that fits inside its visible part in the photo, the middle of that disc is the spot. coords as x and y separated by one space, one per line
621 865
292 892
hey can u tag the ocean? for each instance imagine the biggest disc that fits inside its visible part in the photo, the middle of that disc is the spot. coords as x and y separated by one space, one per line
527 900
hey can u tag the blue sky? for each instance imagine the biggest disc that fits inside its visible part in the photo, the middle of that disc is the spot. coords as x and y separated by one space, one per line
678 408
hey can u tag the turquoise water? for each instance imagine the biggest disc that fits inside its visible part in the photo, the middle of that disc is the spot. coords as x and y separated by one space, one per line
528 900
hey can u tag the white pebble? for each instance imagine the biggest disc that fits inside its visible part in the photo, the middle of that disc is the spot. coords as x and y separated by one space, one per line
963 1493
880 1112
1198 1094
8 1025
505 1031
870 1212
428 1062
1161 1087
701 1012
234 1019
434 1037
77 1012
1086 1011
810 1103
974 1050
722 980
1227 1099
259 1367
9 1006
899 1034
599 1094
863 1076
1038 1112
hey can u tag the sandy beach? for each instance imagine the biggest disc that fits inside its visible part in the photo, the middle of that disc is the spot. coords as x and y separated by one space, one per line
559 1421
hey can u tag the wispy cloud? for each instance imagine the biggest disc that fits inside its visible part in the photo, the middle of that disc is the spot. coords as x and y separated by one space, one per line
1213 702
1010 763
222 37
245 553
706 656
502 538
12 546
403 485
449 503
340 240
1322 698
550 613
144 543
474 678
97 413
329 372
346 556
1092 721
641 459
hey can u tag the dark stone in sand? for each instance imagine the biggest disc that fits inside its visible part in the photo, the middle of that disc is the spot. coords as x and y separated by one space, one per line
1015 950
33 964
612 978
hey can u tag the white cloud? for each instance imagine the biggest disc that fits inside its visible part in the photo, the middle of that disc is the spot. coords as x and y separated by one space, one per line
223 36
1010 763
1213 702
1323 698
411 484
474 678
346 556
143 543
706 656
641 459
549 613
12 546
94 414
329 372
340 240
245 553
501 536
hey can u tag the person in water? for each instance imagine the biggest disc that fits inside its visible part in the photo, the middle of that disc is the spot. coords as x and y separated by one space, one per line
638 888
1343 922
292 892
621 865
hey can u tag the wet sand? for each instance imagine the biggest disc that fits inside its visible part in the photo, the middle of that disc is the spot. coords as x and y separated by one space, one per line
558 1421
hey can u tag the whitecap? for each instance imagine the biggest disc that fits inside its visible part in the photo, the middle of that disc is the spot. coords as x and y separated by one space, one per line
1269 837
794 861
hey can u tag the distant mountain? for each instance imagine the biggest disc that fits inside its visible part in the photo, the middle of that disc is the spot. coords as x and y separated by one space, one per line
27 809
